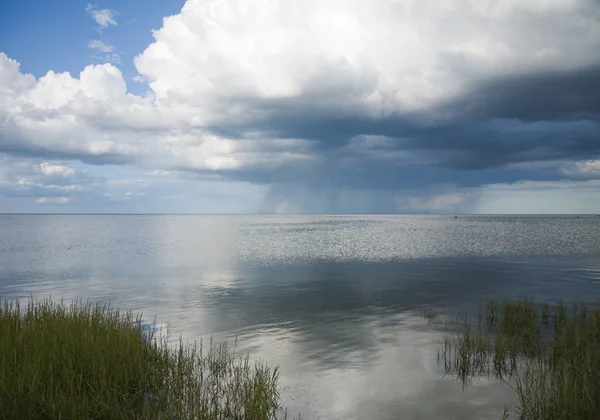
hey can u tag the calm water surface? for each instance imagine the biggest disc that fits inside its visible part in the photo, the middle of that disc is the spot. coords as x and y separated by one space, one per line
334 300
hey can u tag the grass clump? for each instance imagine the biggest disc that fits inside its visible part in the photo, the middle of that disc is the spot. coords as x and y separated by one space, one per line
551 352
82 361
431 315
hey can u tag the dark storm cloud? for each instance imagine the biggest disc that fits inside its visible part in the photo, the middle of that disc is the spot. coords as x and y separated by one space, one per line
324 177
549 96
469 140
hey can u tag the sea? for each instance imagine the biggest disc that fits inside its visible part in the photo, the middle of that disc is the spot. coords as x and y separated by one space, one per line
335 301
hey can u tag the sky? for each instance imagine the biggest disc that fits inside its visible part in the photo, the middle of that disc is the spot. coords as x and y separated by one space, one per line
289 106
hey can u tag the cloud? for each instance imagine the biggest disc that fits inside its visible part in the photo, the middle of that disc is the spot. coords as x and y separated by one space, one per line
547 185
104 52
93 188
53 116
589 169
103 17
555 95
48 169
433 80
100 46
377 59
42 182
339 101
53 200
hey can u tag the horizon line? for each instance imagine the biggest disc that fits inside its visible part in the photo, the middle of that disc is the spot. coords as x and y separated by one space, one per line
286 214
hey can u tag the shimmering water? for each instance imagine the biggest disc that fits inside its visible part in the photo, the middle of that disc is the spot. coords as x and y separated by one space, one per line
334 300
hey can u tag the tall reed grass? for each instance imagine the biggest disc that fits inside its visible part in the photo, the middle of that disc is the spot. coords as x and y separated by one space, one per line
83 361
549 353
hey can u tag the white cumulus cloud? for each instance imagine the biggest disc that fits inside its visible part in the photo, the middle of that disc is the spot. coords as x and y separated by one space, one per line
381 56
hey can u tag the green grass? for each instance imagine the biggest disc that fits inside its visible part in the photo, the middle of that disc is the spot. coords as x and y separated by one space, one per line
550 354
82 361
